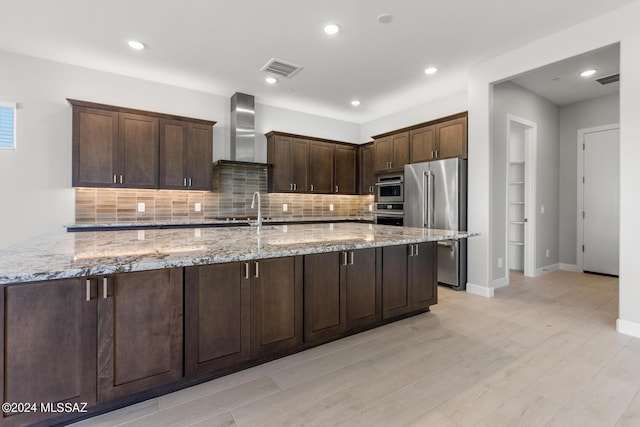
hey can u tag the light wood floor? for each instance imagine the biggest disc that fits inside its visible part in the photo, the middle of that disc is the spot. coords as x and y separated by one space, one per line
543 352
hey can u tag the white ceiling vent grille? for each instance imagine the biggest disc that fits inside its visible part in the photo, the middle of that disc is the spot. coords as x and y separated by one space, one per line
281 68
608 79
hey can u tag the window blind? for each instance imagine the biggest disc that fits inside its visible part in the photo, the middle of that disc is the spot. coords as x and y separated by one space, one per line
7 126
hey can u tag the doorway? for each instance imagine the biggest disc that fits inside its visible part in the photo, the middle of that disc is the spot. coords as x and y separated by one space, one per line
521 167
599 199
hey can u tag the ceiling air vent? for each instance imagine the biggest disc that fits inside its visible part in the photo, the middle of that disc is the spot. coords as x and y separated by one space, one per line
281 68
608 79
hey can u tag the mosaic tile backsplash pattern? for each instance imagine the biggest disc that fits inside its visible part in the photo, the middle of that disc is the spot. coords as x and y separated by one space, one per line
233 188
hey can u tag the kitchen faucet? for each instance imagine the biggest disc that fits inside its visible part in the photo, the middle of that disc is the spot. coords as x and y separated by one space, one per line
253 202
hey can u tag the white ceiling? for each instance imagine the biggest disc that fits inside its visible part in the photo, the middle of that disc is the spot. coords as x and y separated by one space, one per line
219 46
562 84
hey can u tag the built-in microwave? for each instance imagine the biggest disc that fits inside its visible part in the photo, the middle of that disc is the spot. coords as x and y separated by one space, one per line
390 188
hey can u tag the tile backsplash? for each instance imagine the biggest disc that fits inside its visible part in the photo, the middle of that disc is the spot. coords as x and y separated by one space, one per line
233 188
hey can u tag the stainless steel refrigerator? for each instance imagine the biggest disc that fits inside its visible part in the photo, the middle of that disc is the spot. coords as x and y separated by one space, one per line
435 196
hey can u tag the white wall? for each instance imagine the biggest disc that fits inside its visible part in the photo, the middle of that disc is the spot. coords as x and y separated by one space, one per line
456 103
35 180
594 112
617 26
509 98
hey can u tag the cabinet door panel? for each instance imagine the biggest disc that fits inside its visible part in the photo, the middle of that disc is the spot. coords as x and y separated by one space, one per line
95 147
422 144
276 305
452 138
400 143
367 179
139 150
423 276
321 167
363 290
279 155
396 294
200 157
173 154
49 345
383 154
324 297
300 164
217 317
346 169
139 332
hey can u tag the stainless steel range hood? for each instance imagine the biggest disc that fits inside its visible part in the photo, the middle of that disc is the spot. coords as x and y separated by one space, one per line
243 127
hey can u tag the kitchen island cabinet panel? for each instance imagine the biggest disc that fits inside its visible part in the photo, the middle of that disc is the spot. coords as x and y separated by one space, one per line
423 272
363 288
276 305
325 297
396 294
217 317
49 345
139 332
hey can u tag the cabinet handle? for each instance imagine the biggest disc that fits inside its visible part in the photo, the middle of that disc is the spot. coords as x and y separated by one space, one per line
185 182
120 179
437 153
344 258
351 258
295 187
311 187
115 179
417 251
105 288
410 250
246 270
371 189
337 188
189 182
257 270
88 285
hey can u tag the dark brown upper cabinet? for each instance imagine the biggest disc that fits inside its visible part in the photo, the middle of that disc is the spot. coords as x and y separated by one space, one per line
121 147
304 164
367 178
451 138
185 155
346 166
391 152
422 144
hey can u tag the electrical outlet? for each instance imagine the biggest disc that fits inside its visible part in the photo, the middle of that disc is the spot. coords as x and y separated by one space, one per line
141 207
198 207
370 208
542 209
547 252
140 234
285 207
285 228
331 207
331 226
499 262
197 233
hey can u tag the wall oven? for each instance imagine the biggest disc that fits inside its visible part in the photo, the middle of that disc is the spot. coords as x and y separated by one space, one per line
390 188
389 214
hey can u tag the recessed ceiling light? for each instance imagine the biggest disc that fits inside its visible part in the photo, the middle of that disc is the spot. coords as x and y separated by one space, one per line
355 102
385 18
431 70
134 44
331 29
271 80
588 73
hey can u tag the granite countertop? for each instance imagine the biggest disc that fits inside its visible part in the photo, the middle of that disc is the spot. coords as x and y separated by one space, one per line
92 253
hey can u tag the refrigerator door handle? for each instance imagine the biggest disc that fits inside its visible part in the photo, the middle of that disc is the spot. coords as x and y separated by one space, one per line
425 199
432 190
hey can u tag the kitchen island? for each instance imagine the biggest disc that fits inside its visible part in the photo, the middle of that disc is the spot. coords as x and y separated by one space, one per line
113 317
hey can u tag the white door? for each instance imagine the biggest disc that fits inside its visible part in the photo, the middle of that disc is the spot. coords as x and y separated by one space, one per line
601 201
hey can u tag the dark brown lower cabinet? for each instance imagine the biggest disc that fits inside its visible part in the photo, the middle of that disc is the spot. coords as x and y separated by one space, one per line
140 341
217 317
325 296
409 278
276 305
49 338
361 274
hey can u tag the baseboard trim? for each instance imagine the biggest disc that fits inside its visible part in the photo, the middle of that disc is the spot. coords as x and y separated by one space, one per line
570 267
628 327
482 291
544 270
500 283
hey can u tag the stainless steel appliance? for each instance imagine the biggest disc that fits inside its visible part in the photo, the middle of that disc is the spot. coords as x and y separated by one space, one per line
436 197
390 188
389 213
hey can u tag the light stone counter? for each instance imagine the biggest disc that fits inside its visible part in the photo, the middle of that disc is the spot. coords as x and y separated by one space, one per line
105 252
